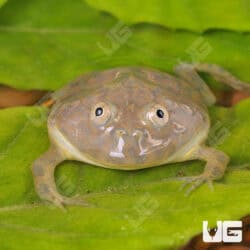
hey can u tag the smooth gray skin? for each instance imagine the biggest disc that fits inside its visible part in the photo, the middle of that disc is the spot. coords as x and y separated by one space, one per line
128 134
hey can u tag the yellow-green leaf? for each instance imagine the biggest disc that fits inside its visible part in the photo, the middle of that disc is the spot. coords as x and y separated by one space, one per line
45 44
195 15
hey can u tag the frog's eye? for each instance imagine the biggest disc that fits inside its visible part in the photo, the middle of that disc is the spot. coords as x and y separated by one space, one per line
158 115
101 113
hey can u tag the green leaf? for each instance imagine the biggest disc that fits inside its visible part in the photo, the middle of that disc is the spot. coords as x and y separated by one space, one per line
45 51
195 15
2 2
45 44
133 210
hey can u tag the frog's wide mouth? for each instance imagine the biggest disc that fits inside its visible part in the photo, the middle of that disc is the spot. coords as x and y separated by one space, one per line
127 154
132 152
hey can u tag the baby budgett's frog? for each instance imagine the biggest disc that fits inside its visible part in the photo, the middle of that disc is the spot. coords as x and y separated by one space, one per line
133 118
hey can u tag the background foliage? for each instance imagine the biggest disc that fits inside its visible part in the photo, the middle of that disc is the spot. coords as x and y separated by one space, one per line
196 15
45 44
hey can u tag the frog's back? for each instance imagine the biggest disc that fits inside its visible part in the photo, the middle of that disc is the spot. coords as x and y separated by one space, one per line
104 80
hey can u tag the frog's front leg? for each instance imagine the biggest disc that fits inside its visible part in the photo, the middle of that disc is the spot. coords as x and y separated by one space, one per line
216 163
43 173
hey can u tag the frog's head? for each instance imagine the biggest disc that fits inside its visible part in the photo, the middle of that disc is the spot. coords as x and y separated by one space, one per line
126 126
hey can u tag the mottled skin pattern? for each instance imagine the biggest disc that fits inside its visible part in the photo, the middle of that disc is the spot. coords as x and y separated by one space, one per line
132 118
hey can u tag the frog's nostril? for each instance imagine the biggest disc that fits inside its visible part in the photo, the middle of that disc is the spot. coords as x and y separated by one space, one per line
137 133
134 133
120 132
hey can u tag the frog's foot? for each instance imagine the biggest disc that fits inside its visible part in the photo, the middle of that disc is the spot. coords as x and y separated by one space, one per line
216 162
51 195
195 181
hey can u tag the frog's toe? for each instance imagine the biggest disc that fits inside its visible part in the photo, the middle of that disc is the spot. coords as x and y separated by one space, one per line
51 195
58 203
77 201
194 182
55 199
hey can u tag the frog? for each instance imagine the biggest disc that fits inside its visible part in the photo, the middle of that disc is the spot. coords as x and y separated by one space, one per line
131 118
